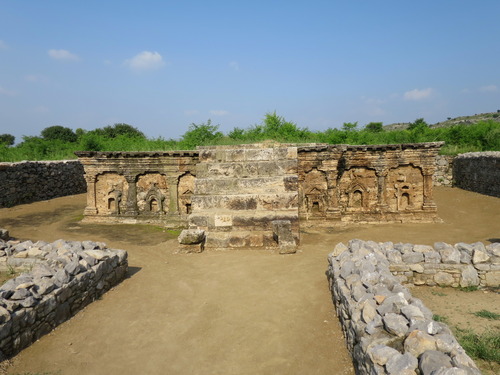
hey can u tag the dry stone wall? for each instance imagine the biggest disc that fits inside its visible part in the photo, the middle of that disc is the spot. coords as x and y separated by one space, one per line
31 181
443 176
479 172
60 279
387 330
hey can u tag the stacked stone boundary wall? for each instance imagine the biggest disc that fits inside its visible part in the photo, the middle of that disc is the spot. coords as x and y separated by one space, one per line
478 172
387 330
63 277
32 181
443 176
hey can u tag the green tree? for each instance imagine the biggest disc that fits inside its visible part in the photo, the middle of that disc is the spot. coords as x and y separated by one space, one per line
7 139
418 124
350 126
374 127
120 129
201 134
60 133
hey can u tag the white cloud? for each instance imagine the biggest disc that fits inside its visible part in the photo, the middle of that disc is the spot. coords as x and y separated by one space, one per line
3 45
4 91
145 60
417 94
41 109
234 65
62 54
489 88
191 112
219 112
35 78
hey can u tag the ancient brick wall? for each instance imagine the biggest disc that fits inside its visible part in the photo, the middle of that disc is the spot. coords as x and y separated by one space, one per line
479 172
379 183
132 187
31 181
259 192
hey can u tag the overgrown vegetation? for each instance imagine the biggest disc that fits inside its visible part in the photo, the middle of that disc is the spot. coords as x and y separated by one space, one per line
59 142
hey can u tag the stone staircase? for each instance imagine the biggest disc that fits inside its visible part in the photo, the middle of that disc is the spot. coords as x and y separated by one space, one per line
247 197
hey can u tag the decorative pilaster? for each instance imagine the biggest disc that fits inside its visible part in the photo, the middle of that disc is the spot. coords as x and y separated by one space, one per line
381 185
429 204
91 208
173 206
131 205
332 207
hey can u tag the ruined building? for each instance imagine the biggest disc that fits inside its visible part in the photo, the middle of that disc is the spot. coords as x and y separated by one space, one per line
260 195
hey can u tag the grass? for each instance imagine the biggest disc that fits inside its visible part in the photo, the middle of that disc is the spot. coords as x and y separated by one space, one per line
440 318
471 288
485 346
487 315
441 294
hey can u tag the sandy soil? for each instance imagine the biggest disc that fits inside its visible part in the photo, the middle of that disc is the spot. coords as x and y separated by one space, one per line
231 312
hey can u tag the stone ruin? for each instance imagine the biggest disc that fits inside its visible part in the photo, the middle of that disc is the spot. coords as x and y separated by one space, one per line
259 195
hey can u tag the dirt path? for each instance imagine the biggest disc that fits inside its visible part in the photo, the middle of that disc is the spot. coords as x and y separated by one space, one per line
234 312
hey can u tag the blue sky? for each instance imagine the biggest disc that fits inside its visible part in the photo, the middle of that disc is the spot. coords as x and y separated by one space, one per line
162 65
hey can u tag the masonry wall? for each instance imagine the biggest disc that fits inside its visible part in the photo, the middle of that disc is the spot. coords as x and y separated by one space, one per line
443 176
63 278
387 330
478 172
31 181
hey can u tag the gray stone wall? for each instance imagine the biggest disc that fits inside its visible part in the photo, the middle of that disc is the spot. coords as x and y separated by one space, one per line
31 181
443 176
62 278
479 172
387 330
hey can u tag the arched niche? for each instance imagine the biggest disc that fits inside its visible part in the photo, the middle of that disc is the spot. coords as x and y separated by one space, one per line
111 193
185 189
315 190
152 189
357 190
405 188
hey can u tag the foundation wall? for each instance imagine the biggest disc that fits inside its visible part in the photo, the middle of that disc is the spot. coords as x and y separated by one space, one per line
31 181
478 172
387 330
61 279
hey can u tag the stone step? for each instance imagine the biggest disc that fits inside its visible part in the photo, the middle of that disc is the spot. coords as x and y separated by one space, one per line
246 169
226 220
239 202
250 154
243 239
265 185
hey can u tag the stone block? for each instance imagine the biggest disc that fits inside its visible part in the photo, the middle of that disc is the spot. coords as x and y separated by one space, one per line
191 236
193 248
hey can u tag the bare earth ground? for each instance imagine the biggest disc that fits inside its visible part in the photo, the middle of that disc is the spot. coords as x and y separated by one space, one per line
231 312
